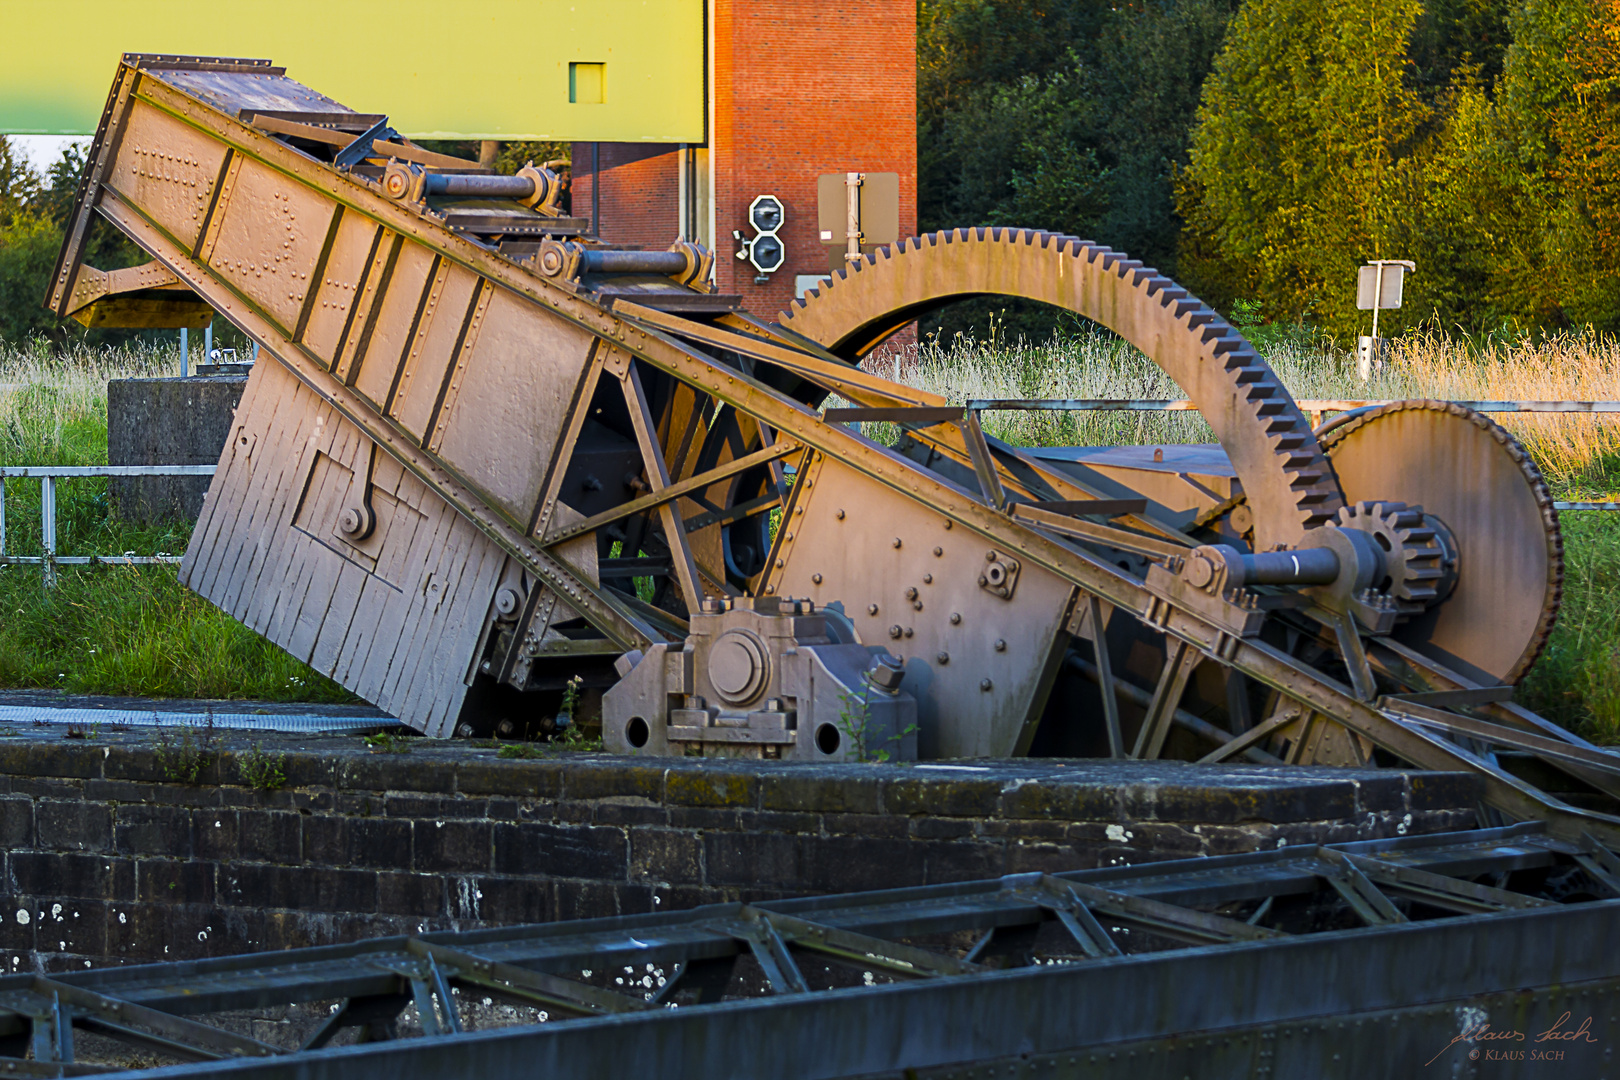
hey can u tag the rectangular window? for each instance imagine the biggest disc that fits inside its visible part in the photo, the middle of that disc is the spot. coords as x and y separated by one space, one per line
586 83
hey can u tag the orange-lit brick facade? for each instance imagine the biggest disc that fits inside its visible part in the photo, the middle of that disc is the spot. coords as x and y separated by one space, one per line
640 191
794 93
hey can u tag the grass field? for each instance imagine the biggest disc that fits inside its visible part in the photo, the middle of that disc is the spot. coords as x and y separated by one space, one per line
136 631
111 630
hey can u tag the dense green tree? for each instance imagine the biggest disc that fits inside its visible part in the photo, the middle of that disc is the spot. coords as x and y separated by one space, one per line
28 247
19 183
1479 141
1520 210
33 213
1453 36
1071 116
1301 161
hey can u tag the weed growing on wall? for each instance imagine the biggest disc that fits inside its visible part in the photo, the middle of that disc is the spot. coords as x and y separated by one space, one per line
183 757
262 770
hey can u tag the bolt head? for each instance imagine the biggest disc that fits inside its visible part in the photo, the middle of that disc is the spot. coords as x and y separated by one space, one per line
886 672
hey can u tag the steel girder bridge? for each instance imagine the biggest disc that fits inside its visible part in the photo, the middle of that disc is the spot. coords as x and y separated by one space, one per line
1360 959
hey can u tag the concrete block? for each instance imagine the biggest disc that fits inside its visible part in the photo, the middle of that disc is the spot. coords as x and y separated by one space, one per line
167 422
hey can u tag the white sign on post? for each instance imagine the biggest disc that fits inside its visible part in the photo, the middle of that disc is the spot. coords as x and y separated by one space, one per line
1379 285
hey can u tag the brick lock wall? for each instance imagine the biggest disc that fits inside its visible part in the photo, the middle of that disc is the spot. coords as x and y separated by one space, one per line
799 92
640 182
105 858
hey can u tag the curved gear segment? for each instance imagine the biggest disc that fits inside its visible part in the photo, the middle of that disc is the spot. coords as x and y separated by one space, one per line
1480 483
1269 441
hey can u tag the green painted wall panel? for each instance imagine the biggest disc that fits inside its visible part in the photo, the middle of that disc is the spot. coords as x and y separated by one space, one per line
487 69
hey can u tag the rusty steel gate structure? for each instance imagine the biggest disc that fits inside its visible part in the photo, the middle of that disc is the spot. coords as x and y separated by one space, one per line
492 454
1376 958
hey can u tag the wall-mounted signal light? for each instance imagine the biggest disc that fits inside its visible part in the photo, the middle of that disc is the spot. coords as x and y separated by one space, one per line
765 249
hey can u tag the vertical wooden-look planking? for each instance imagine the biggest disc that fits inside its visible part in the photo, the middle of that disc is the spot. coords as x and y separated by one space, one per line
369 660
270 466
286 567
229 485
266 531
385 588
438 601
305 605
381 671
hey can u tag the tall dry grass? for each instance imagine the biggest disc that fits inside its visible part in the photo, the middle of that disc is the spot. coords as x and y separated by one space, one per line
1575 451
53 403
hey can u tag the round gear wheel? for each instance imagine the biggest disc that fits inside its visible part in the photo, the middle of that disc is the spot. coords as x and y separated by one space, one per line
1419 554
1468 473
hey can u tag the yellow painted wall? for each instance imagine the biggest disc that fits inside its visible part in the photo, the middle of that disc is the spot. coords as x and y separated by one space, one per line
477 69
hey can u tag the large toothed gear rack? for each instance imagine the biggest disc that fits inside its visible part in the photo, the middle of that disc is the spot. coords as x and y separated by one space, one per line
490 454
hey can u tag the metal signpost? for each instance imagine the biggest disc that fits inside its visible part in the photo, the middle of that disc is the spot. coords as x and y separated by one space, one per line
1378 286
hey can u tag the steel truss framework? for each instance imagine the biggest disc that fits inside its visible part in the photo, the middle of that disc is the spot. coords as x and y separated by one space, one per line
1260 953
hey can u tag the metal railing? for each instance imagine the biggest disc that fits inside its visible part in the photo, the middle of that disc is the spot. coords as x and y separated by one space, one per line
48 475
1316 407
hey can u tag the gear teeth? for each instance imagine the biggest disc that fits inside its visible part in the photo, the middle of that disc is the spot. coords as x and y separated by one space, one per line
1304 495
1415 570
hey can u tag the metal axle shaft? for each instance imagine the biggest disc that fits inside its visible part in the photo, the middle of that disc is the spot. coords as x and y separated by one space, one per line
473 184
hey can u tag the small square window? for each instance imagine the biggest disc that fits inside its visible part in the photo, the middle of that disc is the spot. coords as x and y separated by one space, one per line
586 83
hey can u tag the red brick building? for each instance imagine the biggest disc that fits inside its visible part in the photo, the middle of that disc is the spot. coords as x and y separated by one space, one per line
793 93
